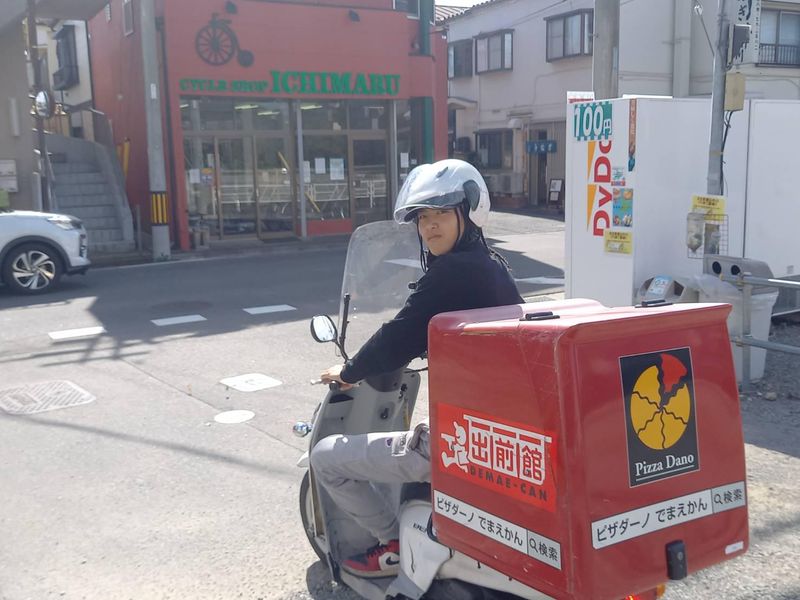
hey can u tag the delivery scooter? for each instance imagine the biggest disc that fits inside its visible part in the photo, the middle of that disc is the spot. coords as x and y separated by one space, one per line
379 266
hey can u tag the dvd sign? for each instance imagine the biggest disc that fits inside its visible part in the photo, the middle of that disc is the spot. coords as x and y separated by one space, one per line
599 193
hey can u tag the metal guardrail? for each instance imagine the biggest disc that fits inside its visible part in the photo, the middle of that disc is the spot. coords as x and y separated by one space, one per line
746 283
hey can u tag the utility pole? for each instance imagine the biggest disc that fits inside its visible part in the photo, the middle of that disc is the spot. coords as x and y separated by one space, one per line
605 53
33 56
159 209
714 180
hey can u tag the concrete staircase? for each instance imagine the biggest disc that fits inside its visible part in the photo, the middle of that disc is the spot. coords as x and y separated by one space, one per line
88 183
81 190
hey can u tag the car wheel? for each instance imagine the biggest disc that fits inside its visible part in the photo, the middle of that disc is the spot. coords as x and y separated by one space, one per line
32 269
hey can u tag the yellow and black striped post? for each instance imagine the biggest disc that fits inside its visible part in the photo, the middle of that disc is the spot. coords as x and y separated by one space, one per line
159 219
159 215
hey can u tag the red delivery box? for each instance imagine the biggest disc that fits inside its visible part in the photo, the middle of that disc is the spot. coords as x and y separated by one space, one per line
587 452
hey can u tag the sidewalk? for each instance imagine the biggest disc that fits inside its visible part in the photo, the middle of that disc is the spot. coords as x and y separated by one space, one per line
501 222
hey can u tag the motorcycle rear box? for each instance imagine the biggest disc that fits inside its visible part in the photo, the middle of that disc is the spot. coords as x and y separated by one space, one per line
587 452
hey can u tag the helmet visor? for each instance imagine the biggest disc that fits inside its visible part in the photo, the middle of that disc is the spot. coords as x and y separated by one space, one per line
409 211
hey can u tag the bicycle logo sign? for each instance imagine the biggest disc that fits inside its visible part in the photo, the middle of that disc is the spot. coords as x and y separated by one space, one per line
217 44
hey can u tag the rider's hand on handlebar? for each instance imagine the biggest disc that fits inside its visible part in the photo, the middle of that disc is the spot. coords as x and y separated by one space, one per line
335 374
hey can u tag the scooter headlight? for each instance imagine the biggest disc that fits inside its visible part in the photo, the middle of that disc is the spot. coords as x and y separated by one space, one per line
301 429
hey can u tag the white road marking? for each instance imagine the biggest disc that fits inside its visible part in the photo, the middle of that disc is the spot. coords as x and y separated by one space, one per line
405 262
68 334
542 280
262 310
178 320
231 417
251 382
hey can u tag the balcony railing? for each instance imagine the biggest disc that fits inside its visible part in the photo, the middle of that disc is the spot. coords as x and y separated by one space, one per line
779 54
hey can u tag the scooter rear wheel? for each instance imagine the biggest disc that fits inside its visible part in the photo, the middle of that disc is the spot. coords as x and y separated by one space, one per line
307 515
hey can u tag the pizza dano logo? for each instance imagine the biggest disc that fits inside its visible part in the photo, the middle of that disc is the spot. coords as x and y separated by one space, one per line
506 457
660 412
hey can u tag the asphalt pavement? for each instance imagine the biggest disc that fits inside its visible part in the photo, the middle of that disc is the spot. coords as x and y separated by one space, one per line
135 489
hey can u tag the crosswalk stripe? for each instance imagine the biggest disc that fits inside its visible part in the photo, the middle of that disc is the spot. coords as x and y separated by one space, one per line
542 280
68 334
262 310
178 320
405 262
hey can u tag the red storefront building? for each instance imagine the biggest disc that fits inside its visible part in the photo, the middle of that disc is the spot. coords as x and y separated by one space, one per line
263 101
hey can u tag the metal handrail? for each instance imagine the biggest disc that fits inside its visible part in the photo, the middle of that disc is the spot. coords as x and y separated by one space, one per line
745 282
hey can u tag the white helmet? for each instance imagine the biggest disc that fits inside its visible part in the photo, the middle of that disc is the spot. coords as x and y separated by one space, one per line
443 184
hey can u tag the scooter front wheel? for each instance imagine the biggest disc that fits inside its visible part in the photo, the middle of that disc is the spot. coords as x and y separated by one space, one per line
307 515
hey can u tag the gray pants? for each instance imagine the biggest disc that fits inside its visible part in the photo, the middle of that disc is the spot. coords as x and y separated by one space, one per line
346 464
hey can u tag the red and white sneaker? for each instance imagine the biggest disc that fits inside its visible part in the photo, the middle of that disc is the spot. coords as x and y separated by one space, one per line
382 560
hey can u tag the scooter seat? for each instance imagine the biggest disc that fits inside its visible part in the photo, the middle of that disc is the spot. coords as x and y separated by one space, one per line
417 490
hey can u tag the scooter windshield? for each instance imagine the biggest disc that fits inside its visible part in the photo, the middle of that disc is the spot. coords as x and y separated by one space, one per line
382 259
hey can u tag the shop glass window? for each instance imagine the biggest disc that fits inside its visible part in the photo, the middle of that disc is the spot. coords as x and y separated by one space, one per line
494 52
779 40
265 116
495 149
369 114
409 137
459 59
326 187
570 35
127 16
327 116
209 114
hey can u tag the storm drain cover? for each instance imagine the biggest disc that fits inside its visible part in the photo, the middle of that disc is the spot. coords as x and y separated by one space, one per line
41 397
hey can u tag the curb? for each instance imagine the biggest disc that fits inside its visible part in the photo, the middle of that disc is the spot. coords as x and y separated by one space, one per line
101 261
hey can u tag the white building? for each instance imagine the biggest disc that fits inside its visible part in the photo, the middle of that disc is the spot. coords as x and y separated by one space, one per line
512 62
69 74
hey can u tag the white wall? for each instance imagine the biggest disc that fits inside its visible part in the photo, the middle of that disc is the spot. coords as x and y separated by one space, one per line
762 81
16 136
646 47
533 85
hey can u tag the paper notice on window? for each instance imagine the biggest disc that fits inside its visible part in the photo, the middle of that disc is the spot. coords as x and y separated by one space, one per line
194 176
337 169
319 166
618 242
404 160
306 171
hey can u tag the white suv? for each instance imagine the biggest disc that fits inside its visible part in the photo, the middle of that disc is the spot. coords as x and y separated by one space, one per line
36 249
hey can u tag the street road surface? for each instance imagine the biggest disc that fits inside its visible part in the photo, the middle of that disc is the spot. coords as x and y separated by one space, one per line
141 493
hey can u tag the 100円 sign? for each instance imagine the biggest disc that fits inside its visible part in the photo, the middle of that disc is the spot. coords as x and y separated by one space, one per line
592 121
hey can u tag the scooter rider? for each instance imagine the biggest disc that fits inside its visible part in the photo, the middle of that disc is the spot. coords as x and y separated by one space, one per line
449 202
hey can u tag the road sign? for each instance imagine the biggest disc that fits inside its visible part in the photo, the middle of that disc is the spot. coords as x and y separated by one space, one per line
541 147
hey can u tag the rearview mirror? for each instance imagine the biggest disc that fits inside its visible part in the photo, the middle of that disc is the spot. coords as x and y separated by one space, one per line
323 329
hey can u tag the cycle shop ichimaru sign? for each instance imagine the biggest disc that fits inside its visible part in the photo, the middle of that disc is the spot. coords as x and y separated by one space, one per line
300 83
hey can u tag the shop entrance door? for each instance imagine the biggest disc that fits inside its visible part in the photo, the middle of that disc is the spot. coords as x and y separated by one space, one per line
275 208
240 186
235 187
369 181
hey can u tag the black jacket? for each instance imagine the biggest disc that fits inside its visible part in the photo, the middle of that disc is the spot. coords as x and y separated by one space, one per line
465 278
